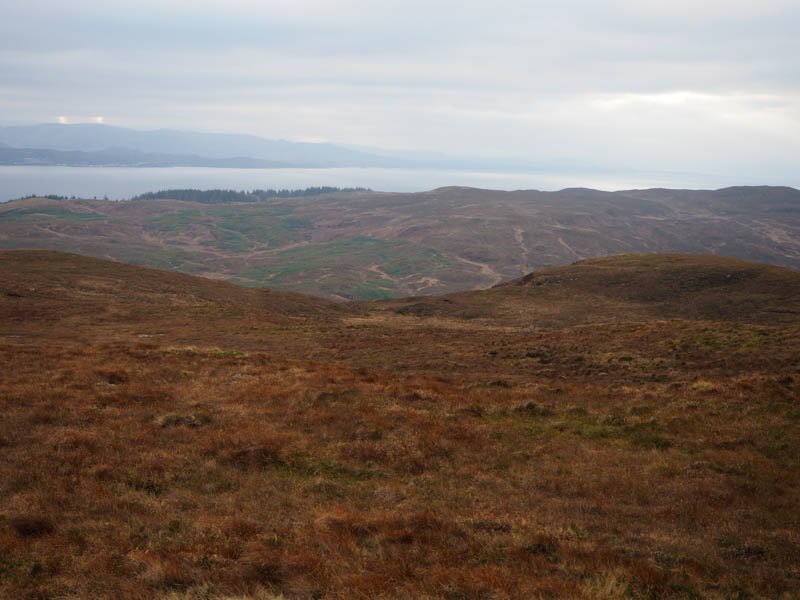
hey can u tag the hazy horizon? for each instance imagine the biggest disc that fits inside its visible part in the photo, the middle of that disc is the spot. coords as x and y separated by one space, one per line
120 183
707 88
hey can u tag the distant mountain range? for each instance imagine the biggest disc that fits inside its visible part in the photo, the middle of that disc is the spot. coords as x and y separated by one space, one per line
104 145
125 157
100 145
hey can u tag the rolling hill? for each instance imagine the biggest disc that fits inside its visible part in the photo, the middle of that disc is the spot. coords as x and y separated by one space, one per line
380 245
624 427
625 287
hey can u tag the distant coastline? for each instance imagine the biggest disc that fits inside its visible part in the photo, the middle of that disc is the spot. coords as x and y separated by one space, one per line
125 182
41 157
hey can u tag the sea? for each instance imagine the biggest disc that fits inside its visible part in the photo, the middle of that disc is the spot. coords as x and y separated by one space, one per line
120 183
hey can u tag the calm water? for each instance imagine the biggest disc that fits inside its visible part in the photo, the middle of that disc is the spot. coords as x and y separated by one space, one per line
120 183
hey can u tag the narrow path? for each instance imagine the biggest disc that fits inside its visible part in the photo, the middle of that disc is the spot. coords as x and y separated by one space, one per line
568 247
518 235
486 270
377 270
52 231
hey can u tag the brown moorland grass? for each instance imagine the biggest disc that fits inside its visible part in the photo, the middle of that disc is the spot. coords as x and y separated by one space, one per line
248 451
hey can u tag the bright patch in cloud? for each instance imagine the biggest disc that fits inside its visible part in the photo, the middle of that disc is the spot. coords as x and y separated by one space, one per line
626 101
675 85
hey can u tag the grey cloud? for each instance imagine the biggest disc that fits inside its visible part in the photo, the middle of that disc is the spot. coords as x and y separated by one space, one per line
711 84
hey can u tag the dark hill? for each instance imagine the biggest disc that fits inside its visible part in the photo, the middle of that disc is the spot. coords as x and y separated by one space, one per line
69 295
630 287
687 286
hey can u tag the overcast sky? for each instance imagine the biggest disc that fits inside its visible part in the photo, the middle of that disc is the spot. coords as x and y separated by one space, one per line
692 85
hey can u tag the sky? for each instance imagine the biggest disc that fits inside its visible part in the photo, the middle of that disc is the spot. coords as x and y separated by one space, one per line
706 86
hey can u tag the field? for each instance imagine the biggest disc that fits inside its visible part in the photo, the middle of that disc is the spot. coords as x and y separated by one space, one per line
625 427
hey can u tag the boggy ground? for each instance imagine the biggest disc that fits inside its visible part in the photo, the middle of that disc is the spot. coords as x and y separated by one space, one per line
169 437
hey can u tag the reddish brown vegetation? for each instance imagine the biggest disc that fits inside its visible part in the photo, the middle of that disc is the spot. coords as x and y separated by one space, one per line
248 451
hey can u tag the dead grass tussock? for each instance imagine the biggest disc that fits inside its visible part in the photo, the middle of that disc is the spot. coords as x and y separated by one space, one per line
206 592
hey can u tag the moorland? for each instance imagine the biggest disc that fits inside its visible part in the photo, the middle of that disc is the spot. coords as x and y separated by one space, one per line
622 427
366 245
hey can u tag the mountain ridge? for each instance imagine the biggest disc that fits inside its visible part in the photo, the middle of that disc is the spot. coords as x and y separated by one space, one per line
124 157
169 145
376 244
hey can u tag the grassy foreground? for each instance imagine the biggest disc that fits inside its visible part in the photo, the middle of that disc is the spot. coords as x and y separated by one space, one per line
568 435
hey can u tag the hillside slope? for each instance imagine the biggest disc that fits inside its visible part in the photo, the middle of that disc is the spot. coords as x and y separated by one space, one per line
366 245
70 297
623 427
628 287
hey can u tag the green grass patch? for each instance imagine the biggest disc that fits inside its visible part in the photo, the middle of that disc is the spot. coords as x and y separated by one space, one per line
162 258
33 214
238 229
396 258
643 434
646 435
177 221
295 223
228 240
373 289
738 339
263 225
251 211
